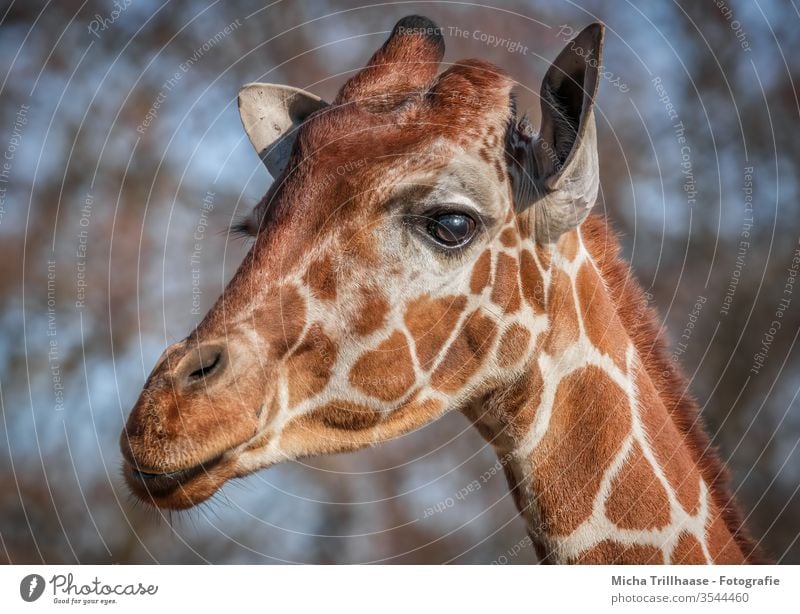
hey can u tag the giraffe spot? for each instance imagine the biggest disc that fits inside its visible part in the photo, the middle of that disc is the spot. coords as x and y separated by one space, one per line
637 499
508 237
345 416
386 372
687 551
498 168
589 422
371 314
721 544
668 446
466 354
531 281
281 319
505 291
513 345
520 403
609 552
481 272
431 322
309 366
600 319
564 330
568 245
321 278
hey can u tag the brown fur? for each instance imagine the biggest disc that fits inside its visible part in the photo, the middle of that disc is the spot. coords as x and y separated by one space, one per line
430 322
688 551
513 345
310 365
531 282
505 291
481 273
386 372
637 499
321 278
613 553
466 353
281 320
589 423
641 324
603 328
564 329
371 313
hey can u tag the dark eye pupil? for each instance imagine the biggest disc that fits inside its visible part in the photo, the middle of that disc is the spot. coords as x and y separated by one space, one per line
452 228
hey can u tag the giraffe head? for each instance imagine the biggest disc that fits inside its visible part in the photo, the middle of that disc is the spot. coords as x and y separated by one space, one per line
383 285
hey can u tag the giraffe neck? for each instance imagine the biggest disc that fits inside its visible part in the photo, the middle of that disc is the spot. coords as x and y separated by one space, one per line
597 465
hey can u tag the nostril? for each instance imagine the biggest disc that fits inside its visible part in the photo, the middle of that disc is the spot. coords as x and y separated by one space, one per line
202 363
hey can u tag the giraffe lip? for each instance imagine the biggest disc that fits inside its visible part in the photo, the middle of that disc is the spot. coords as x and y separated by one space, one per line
161 483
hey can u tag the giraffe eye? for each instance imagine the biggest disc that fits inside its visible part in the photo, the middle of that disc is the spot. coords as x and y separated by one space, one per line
452 229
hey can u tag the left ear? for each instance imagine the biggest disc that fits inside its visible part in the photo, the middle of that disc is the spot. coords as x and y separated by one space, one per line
562 161
271 115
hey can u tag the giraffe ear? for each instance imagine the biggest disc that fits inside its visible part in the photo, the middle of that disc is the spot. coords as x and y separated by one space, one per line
271 115
565 170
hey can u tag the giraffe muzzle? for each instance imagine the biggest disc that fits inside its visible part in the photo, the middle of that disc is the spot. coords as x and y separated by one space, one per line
201 403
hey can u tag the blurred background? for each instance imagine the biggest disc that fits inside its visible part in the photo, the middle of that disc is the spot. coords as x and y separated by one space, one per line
123 162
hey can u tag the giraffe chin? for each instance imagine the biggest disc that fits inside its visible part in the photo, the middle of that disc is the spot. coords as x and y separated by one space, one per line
181 489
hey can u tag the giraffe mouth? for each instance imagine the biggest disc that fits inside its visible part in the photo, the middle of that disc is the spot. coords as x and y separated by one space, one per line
161 482
178 489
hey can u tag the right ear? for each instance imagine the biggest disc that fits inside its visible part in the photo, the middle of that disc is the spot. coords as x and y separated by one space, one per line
558 177
271 115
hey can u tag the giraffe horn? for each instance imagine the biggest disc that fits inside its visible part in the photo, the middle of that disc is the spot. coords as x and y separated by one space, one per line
407 62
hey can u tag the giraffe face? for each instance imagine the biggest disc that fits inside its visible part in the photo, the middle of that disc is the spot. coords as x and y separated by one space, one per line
382 289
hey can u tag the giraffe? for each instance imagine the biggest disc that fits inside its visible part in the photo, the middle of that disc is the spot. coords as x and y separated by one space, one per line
422 250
